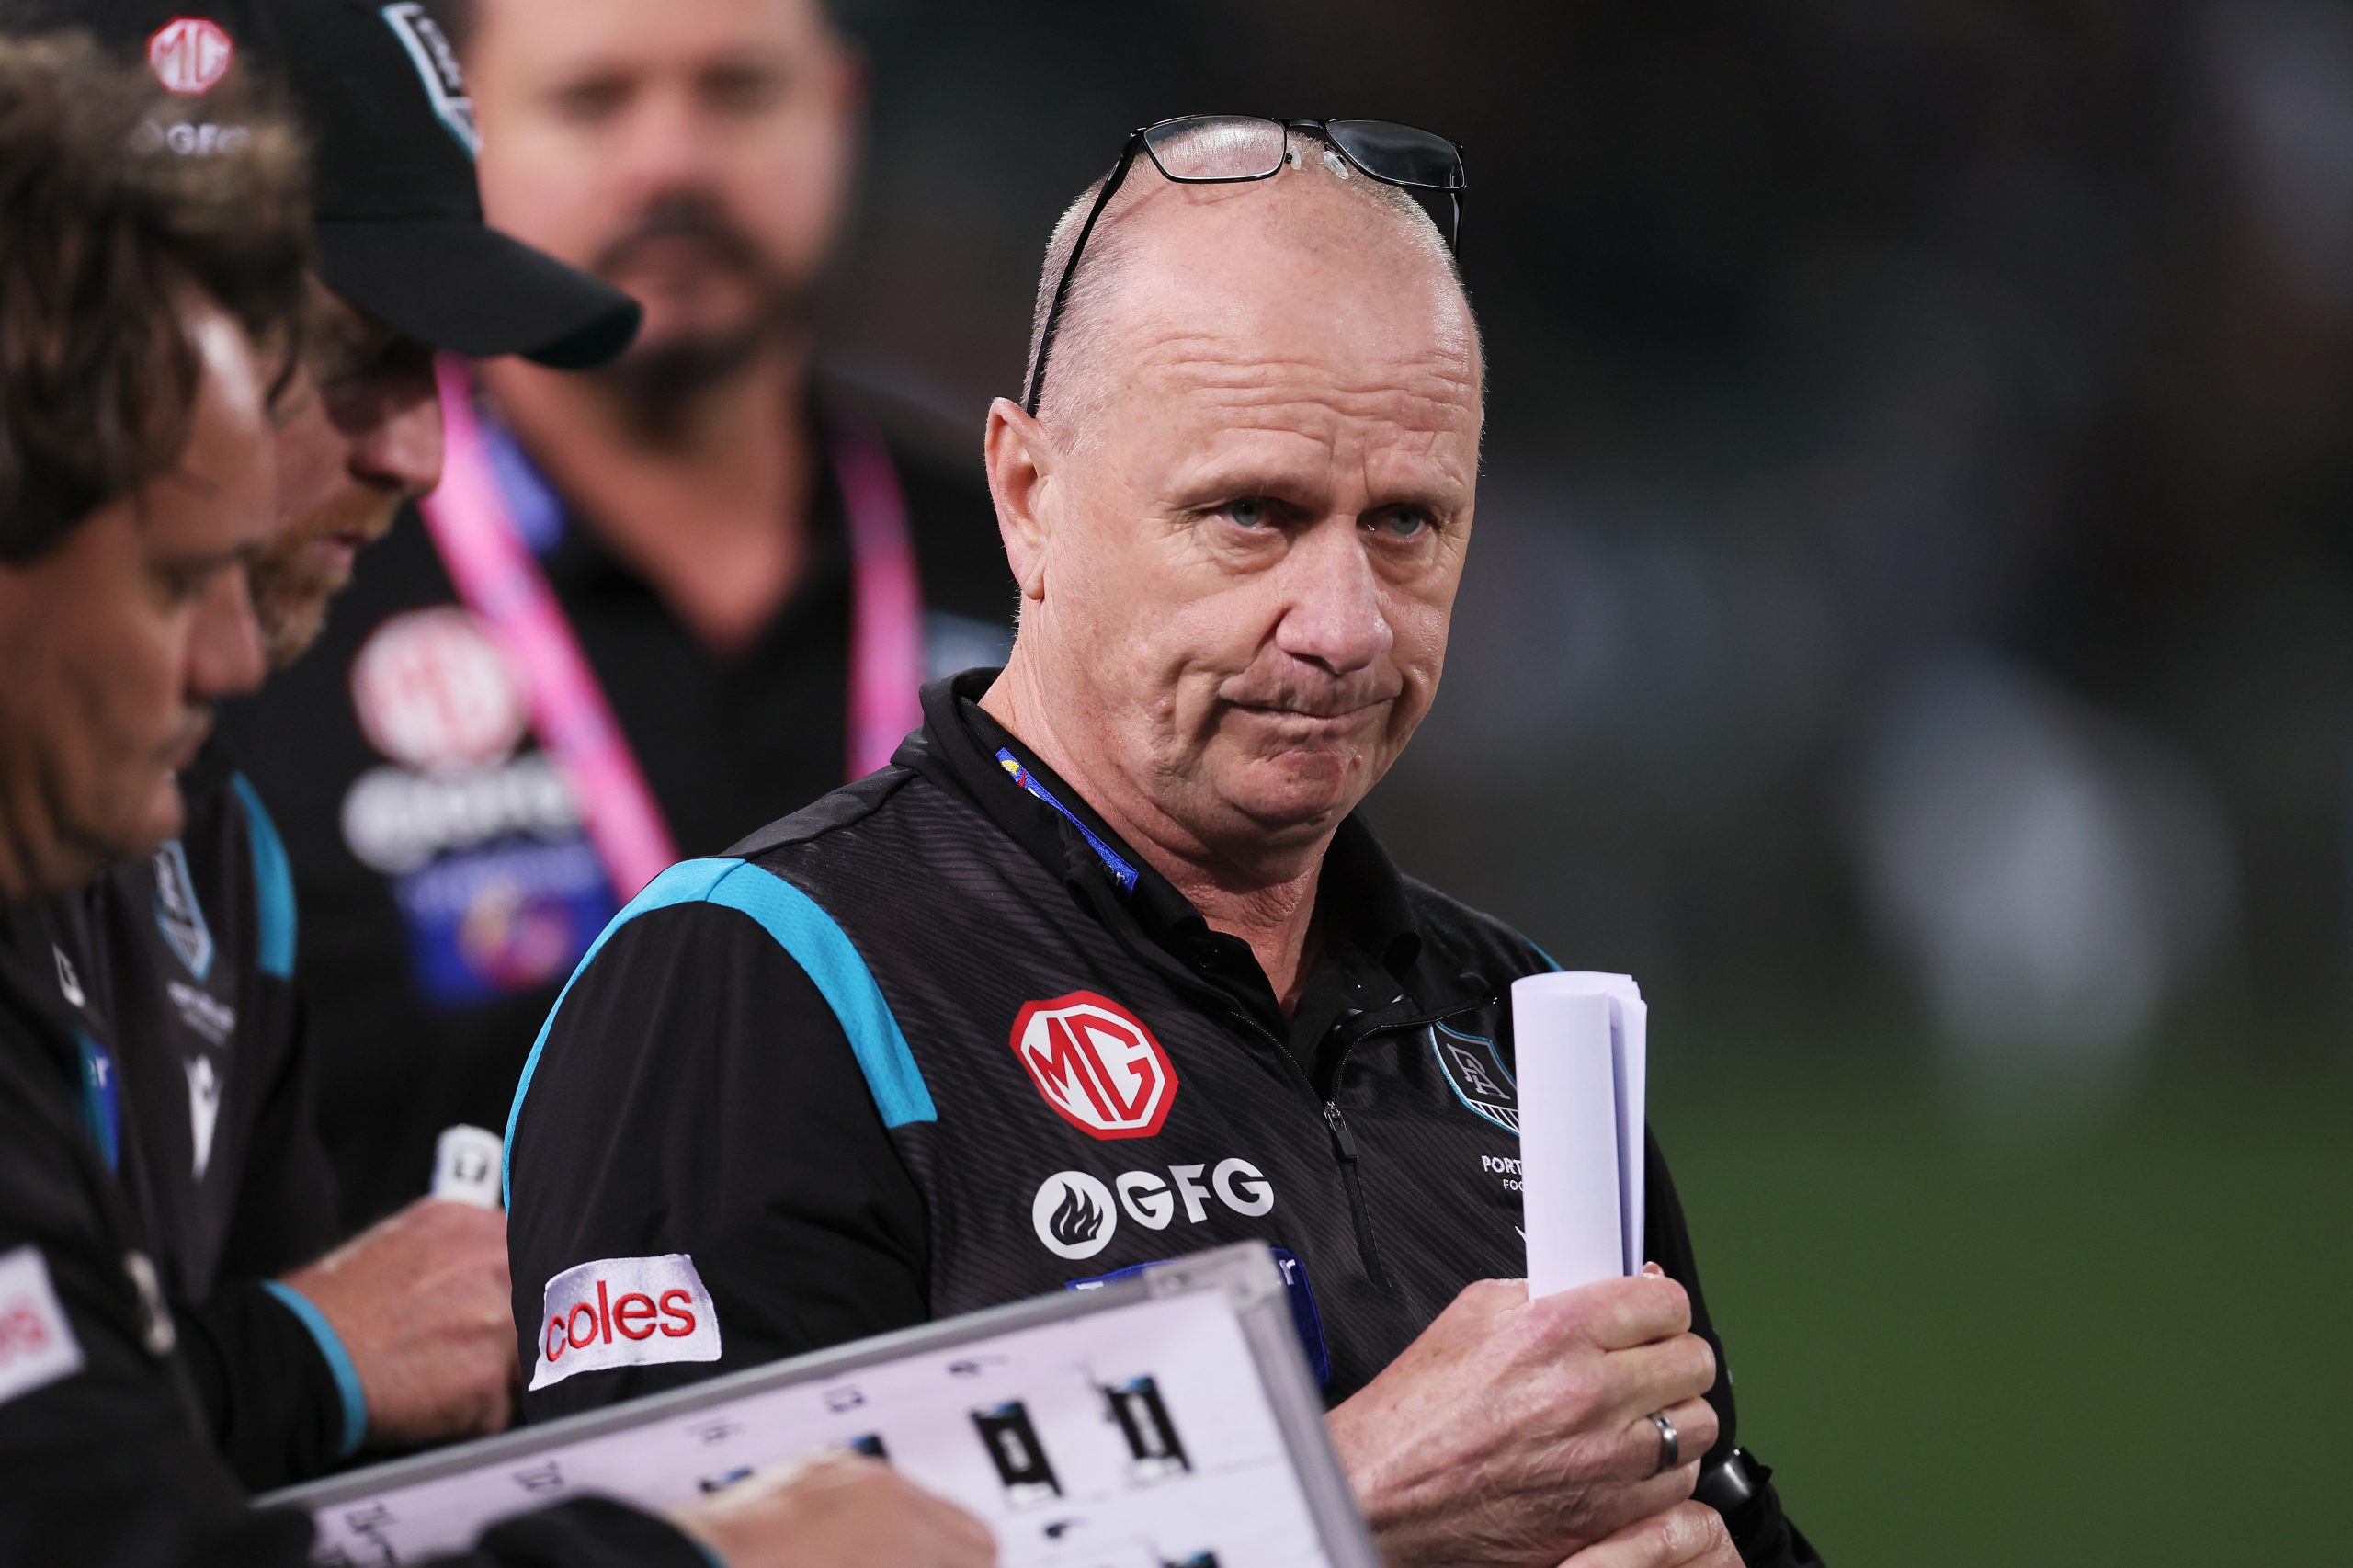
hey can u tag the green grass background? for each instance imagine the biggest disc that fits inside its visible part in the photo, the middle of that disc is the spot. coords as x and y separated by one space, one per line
2128 1346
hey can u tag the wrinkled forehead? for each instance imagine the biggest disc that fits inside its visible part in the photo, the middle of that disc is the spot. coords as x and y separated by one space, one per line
1305 301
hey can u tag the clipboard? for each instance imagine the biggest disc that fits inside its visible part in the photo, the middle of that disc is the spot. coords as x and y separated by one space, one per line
1163 1420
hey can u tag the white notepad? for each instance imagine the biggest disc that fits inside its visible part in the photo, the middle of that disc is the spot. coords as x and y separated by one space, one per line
1579 1044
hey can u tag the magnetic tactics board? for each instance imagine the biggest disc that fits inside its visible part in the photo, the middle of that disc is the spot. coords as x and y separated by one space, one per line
1166 1420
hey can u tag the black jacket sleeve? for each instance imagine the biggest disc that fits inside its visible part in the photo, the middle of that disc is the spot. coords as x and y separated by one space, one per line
276 1412
104 1462
1740 1489
695 1094
287 1202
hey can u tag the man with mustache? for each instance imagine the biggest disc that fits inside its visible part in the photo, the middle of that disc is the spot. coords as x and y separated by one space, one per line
152 255
734 586
1106 968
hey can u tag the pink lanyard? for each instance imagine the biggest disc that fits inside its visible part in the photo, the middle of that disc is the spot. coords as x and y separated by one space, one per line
496 574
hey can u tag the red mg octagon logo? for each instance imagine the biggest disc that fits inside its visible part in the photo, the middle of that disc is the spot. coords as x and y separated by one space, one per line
190 54
1097 1064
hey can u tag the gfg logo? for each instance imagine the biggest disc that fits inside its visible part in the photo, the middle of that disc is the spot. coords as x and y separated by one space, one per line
1075 1214
1097 1064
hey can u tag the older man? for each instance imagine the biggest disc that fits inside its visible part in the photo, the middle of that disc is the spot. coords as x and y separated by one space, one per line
1104 969
135 494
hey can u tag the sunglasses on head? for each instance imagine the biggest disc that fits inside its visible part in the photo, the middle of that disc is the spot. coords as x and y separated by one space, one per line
1228 149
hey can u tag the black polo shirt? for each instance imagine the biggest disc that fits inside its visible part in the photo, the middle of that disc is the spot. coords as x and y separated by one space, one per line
1362 942
446 880
941 1042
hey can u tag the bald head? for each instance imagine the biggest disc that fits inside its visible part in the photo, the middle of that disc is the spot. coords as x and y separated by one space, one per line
1158 232
1240 516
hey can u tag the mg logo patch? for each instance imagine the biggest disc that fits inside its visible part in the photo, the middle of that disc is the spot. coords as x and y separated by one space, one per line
1097 1064
189 55
1476 1074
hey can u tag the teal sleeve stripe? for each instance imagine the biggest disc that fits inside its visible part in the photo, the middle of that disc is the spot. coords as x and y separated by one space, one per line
821 947
274 884
802 929
710 1556
338 1359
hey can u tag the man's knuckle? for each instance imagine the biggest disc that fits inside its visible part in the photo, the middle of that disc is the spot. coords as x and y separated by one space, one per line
1705 1429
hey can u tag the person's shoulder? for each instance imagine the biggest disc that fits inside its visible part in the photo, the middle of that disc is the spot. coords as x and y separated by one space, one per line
1468 937
896 816
828 819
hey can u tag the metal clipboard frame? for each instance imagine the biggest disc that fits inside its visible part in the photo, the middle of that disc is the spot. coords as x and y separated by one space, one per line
1245 1274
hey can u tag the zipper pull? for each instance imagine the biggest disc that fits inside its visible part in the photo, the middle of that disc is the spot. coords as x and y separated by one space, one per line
1343 1142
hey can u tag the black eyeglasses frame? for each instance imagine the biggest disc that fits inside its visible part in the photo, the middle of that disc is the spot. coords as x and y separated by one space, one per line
1141 137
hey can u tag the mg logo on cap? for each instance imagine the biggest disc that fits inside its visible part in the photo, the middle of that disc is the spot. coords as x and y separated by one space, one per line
1097 1064
189 55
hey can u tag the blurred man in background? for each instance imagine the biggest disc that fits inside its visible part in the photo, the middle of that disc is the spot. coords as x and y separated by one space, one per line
651 604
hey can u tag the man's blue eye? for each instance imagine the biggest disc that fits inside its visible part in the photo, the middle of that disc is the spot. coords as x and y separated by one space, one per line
1250 512
1404 523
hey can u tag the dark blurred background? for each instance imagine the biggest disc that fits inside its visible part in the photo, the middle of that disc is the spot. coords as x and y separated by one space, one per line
1909 628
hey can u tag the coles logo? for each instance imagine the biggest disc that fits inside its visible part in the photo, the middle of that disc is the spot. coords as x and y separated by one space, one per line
1097 1064
189 55
434 694
1075 1214
624 1311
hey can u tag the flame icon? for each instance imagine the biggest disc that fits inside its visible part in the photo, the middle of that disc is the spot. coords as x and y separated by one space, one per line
1076 1220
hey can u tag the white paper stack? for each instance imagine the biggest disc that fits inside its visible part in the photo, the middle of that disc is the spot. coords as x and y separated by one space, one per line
1579 1043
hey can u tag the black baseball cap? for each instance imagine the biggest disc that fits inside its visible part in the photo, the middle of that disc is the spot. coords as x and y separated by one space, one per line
377 92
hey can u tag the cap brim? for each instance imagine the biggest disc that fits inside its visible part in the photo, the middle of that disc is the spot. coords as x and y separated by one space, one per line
458 285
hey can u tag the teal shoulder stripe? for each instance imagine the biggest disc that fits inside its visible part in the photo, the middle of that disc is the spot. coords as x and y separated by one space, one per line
817 943
273 882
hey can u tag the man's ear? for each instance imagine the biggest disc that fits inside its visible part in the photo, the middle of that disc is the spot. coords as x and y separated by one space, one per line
1020 458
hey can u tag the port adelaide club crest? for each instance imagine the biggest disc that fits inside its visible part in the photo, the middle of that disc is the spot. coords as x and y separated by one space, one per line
1476 1073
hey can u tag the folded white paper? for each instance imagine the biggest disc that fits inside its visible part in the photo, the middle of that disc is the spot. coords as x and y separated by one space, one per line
1580 1041
465 1164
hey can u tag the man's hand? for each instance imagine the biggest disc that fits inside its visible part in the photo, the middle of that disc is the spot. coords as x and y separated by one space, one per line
839 1512
1514 1432
1690 1534
420 1302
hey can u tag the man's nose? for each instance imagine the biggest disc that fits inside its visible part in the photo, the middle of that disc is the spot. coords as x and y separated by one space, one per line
225 655
1335 615
399 444
667 146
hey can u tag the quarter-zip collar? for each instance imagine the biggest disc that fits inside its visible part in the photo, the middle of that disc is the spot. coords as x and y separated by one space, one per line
1369 965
